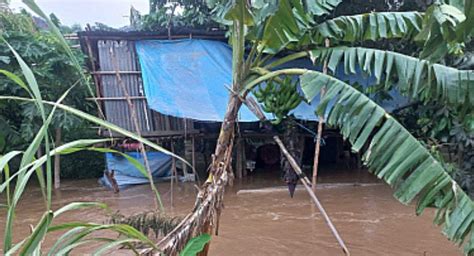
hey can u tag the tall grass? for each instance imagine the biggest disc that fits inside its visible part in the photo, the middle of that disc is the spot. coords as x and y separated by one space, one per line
15 182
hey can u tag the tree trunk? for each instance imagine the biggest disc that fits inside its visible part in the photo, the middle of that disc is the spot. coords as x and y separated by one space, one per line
57 160
293 144
209 202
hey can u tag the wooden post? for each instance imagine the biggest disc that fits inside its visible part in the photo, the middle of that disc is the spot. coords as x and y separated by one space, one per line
244 159
193 156
320 130
57 160
239 165
173 174
193 160
189 154
307 186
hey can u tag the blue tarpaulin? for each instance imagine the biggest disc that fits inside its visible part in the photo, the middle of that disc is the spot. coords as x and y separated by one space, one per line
190 79
187 78
126 174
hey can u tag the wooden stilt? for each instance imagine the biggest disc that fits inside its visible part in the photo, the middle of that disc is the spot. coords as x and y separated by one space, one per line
244 159
307 186
186 154
173 175
320 130
239 165
57 160
193 156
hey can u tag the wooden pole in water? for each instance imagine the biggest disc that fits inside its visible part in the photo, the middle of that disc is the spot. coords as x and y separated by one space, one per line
320 130
173 173
311 193
57 160
193 156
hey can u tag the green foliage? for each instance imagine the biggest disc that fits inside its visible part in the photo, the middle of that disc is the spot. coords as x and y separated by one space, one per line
439 34
195 245
413 77
371 26
92 164
53 69
183 14
279 98
446 129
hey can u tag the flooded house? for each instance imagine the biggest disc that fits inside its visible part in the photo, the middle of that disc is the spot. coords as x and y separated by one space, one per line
173 89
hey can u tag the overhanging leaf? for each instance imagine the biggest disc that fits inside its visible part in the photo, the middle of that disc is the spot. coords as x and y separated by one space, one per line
395 156
371 26
418 79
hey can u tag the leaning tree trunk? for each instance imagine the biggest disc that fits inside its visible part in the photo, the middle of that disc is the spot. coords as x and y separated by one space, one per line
205 216
209 202
294 147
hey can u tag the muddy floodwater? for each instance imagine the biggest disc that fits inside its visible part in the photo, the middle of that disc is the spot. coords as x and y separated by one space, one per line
261 219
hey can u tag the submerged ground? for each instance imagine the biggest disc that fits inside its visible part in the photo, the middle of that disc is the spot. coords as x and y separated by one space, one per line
261 219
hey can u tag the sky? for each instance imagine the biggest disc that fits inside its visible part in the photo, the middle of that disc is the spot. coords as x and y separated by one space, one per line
113 13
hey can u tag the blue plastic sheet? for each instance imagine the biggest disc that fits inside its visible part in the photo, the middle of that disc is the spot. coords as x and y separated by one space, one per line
190 79
126 174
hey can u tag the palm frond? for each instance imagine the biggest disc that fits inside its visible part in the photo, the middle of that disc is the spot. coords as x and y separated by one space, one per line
370 26
413 77
394 155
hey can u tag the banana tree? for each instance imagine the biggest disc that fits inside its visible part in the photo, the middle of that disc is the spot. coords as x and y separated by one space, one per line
297 29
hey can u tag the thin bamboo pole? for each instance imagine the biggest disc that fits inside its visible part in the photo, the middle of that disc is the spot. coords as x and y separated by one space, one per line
255 108
97 84
311 193
193 158
134 117
317 148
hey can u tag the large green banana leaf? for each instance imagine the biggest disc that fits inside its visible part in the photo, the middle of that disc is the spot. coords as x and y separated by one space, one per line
416 78
369 26
394 155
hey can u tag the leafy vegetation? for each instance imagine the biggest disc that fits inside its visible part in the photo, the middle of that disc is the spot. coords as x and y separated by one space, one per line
193 14
195 245
54 71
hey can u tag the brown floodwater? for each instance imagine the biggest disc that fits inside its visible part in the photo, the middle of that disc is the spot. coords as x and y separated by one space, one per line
261 219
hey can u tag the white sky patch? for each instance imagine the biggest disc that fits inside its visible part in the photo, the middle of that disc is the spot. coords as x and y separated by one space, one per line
113 13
